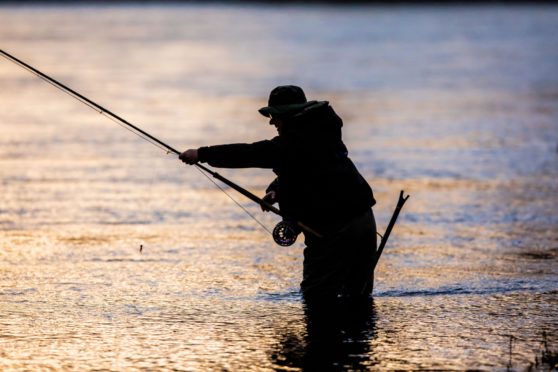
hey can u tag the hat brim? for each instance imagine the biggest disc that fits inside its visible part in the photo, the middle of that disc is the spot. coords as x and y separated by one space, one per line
284 109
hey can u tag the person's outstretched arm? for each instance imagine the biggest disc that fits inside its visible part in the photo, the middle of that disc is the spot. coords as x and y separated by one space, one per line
262 154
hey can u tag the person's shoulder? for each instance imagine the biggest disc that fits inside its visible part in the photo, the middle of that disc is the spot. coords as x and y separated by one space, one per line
319 116
314 108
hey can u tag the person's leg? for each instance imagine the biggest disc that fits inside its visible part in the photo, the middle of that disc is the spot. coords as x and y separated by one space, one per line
361 255
341 264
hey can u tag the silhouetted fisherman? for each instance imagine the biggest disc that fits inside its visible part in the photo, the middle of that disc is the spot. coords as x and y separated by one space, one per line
317 184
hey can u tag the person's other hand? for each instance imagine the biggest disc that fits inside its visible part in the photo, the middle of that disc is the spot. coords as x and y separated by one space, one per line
189 156
270 198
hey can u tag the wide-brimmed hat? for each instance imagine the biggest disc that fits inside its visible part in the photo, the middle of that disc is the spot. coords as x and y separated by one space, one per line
285 99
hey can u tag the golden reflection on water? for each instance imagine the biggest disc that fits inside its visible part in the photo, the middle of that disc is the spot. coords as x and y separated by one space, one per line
471 261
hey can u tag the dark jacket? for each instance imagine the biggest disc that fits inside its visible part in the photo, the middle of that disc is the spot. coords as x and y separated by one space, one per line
317 184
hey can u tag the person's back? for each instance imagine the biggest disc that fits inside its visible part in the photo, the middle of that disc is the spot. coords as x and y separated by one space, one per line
319 185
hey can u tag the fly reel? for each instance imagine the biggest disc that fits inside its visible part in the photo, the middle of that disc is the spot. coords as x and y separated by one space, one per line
285 233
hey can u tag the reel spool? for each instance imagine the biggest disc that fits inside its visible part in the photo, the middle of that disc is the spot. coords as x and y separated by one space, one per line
285 233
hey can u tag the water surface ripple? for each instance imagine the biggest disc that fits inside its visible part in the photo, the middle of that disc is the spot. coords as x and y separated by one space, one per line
455 105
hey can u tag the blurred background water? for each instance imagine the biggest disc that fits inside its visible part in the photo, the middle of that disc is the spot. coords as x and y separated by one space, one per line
456 105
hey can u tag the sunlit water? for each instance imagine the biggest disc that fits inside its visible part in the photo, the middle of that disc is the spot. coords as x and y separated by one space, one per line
457 106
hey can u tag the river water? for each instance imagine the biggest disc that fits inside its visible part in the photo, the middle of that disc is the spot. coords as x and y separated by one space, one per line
455 105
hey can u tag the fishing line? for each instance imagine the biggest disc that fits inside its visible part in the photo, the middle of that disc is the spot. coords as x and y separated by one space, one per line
145 136
235 201
102 112
136 133
95 106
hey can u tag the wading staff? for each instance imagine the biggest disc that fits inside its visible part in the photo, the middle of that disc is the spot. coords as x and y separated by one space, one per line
383 242
148 137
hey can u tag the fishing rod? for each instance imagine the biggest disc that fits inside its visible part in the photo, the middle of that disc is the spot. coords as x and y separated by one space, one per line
283 234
